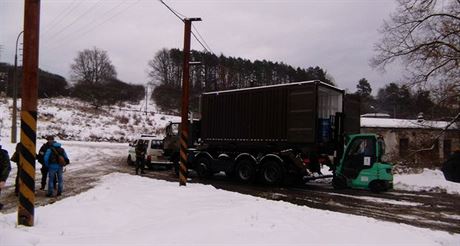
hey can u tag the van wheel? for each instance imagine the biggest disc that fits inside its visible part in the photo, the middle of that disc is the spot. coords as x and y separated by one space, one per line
202 167
245 171
272 173
129 161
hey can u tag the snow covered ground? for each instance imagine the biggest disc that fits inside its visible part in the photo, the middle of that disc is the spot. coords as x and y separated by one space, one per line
143 211
130 210
125 209
72 119
429 180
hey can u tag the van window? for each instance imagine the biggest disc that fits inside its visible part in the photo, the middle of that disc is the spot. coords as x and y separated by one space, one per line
175 129
156 144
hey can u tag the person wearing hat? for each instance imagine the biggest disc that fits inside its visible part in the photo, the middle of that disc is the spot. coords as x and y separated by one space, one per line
40 157
52 158
5 168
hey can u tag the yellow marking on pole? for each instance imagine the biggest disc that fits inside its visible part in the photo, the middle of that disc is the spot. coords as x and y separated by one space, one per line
27 168
183 156
27 143
28 118
183 168
183 143
27 193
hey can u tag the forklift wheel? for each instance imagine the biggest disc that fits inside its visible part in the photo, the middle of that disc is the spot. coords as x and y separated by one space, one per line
377 186
339 182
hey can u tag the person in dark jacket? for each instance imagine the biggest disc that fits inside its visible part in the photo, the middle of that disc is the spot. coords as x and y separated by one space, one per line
15 158
54 168
140 156
40 156
5 168
451 167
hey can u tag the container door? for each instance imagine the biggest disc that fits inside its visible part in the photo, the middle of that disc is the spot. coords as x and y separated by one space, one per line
301 115
352 119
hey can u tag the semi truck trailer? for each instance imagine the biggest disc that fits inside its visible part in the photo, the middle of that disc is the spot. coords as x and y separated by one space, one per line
280 134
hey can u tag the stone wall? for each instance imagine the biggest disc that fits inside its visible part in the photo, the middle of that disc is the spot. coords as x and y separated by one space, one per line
418 152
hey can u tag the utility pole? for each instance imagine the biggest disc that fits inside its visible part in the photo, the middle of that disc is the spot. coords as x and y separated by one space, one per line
185 102
15 93
146 98
29 113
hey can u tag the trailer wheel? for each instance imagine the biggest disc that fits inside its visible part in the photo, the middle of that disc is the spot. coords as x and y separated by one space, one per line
272 173
245 171
202 167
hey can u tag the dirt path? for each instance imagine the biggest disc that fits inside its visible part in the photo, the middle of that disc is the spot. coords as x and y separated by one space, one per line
437 211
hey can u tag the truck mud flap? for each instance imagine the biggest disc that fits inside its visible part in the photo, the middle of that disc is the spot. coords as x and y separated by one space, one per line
296 161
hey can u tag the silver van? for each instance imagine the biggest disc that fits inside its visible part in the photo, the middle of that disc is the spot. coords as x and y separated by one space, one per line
154 154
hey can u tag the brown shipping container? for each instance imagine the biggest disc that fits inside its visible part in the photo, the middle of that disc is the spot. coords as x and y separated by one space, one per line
286 113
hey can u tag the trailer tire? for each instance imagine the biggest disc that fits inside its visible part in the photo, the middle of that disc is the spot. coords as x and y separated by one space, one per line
245 171
339 182
272 173
202 168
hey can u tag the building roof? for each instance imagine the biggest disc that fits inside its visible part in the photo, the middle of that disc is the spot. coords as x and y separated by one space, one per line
402 123
376 115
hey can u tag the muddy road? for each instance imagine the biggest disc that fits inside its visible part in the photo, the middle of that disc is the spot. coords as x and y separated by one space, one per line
437 211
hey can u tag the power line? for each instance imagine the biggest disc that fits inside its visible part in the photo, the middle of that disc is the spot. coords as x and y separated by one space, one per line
181 17
83 29
204 41
91 28
196 38
76 19
61 15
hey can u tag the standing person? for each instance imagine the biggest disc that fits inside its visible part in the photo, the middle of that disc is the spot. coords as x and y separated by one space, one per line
5 168
40 156
55 167
451 167
140 156
15 158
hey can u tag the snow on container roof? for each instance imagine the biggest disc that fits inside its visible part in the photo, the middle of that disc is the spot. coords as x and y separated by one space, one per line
277 85
376 115
402 123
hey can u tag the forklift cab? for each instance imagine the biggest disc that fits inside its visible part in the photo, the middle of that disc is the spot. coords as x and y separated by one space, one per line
361 165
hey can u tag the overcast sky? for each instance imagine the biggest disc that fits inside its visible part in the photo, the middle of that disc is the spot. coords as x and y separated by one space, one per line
337 35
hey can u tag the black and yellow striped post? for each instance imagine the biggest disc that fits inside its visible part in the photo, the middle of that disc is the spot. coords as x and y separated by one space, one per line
29 95
185 97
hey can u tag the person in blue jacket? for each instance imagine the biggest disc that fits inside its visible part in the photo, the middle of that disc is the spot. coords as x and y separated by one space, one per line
51 162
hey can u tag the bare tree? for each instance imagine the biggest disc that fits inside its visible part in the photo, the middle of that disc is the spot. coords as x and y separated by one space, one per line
163 69
425 35
92 66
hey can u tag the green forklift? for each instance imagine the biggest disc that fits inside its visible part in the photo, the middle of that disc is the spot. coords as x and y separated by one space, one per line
361 165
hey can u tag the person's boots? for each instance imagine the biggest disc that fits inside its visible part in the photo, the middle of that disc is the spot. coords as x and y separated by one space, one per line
1 206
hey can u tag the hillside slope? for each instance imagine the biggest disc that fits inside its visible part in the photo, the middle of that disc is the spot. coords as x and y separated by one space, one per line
71 119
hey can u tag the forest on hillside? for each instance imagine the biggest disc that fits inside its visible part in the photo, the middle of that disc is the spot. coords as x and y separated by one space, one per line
215 73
